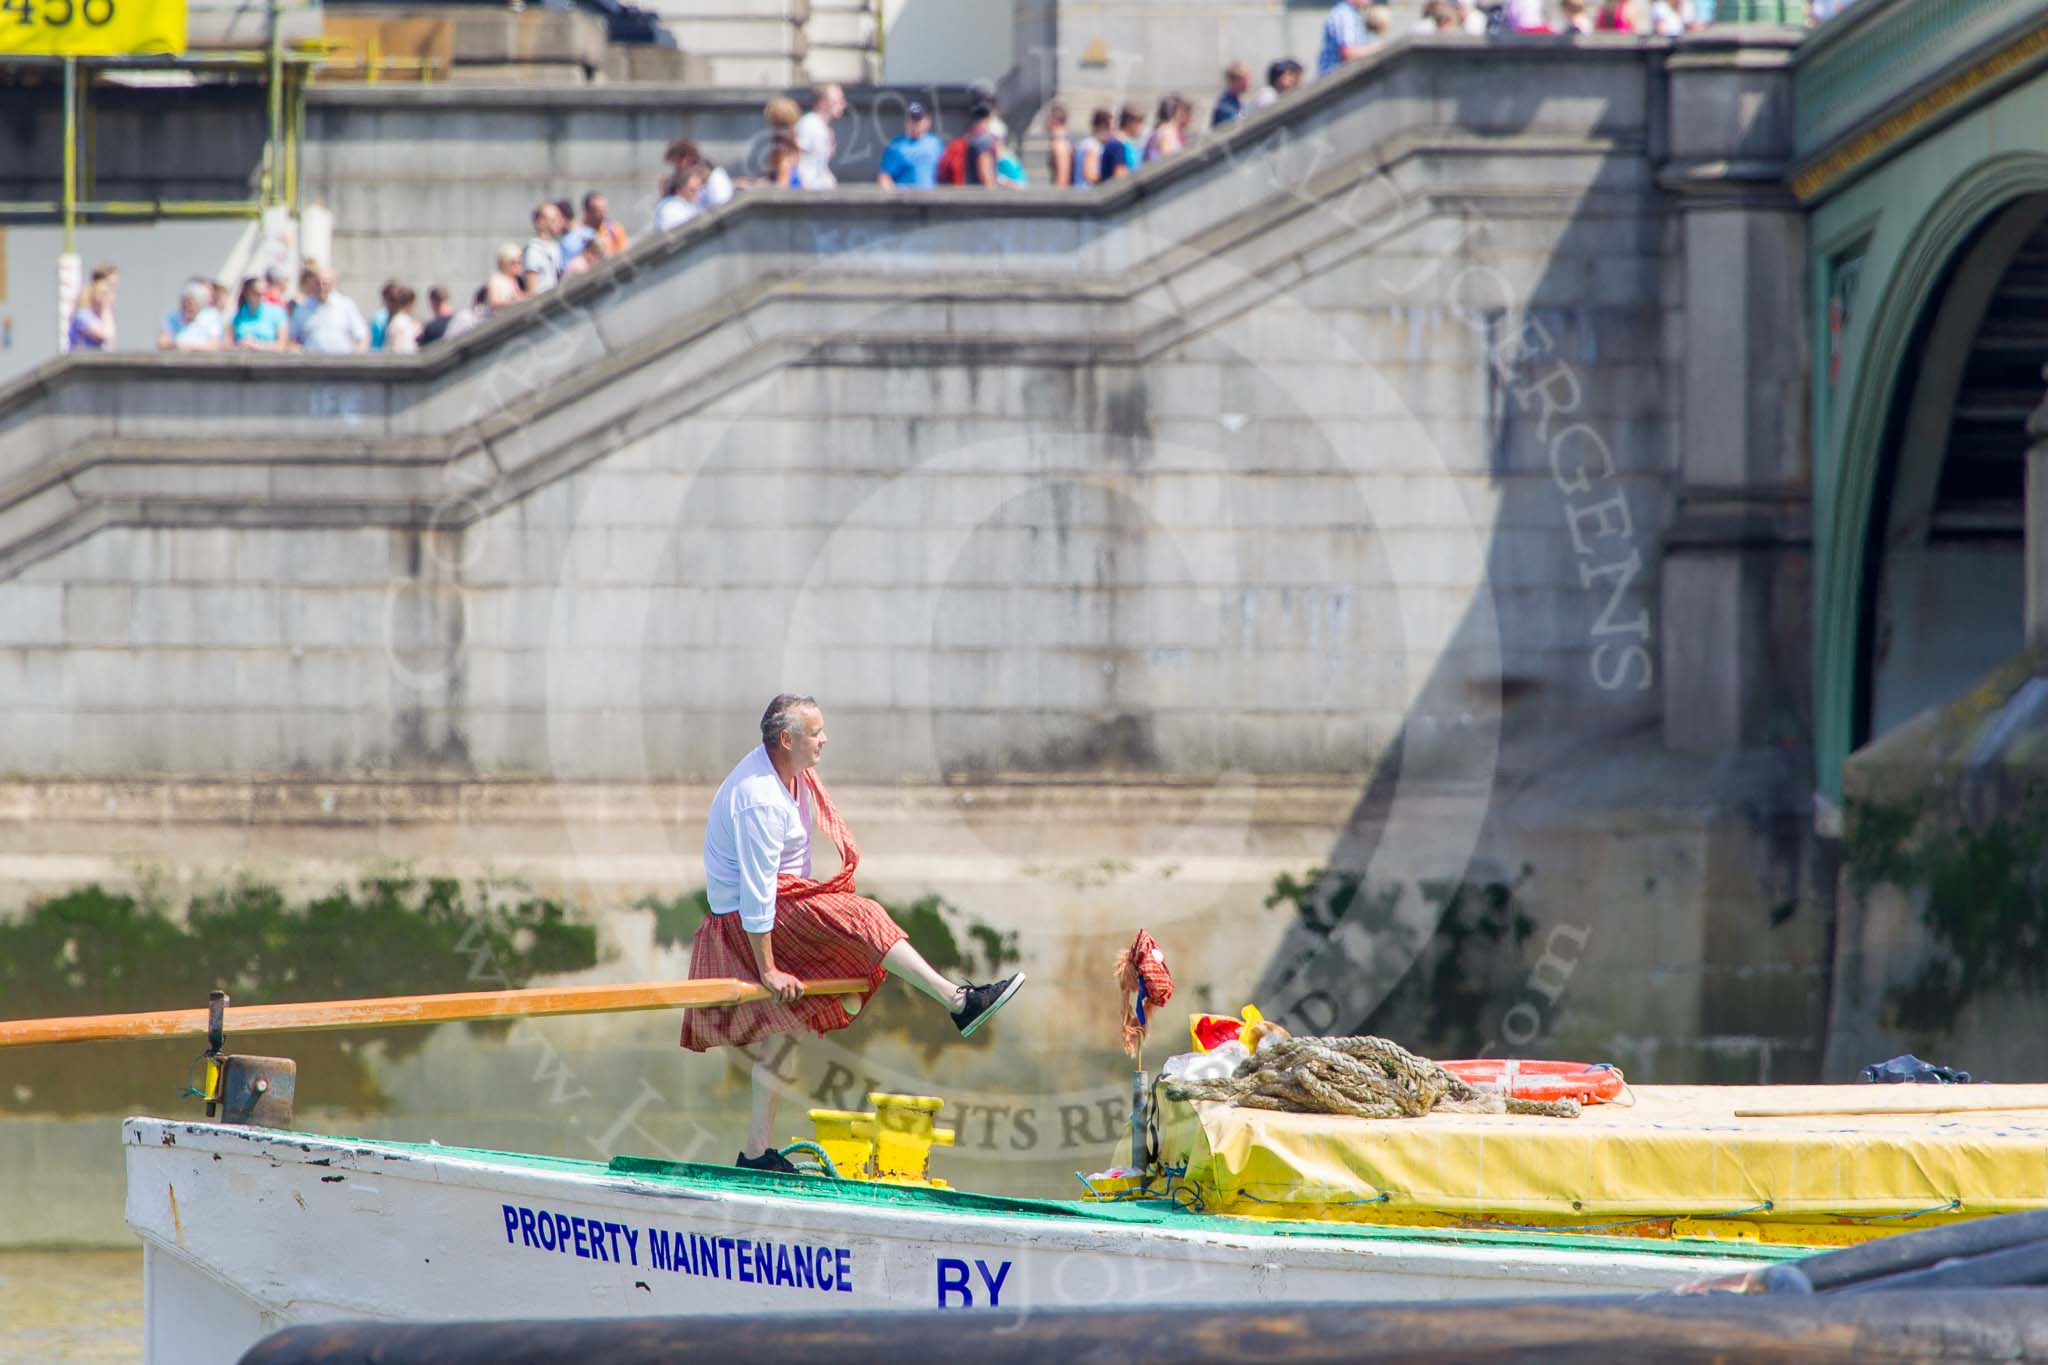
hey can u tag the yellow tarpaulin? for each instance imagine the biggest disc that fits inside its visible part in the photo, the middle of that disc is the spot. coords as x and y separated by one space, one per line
1678 1152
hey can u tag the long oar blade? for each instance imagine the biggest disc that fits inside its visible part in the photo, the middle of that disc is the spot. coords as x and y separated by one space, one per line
407 1009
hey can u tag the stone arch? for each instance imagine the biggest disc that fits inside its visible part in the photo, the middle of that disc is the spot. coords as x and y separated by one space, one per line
1878 496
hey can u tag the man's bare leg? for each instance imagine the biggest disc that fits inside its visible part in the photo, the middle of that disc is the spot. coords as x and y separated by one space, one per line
906 962
767 1094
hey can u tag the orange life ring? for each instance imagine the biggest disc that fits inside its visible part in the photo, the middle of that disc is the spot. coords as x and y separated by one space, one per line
1586 1082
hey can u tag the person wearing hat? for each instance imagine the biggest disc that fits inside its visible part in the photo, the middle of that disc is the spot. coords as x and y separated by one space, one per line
911 161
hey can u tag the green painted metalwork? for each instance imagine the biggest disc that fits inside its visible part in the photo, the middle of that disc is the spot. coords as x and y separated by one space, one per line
1869 58
1897 216
1760 12
1849 433
278 182
70 209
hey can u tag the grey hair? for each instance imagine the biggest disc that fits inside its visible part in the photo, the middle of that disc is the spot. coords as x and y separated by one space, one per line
781 717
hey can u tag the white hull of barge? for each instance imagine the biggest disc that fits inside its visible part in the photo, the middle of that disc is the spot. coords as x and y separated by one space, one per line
246 1231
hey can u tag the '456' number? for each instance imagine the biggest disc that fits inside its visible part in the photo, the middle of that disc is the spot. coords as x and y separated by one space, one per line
57 13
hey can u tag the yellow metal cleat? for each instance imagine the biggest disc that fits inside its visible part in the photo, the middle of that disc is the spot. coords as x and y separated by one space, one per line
891 1144
848 1137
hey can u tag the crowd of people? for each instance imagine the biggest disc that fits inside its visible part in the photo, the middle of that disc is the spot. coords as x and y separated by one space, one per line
564 245
267 315
1354 26
264 315
316 318
797 152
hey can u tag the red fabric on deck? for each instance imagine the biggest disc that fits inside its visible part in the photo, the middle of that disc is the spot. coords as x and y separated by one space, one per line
822 929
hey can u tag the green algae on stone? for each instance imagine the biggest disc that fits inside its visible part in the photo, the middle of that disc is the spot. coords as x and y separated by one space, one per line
1950 808
1981 897
95 951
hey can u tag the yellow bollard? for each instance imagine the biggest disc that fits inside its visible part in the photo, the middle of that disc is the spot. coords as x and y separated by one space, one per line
849 1139
893 1144
905 1136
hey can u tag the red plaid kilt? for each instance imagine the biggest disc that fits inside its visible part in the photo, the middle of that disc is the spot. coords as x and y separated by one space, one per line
822 929
814 939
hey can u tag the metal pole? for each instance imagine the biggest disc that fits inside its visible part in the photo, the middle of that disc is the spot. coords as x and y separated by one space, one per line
1140 1083
298 137
273 171
70 154
88 169
69 270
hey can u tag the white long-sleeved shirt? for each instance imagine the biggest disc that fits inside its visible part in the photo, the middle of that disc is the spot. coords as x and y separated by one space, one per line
815 147
756 831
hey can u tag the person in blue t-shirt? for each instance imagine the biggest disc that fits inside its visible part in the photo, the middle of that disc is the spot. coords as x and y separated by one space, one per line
911 162
1230 105
258 324
1346 36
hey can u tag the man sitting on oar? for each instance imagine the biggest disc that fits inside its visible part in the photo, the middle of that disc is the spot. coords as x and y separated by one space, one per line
772 923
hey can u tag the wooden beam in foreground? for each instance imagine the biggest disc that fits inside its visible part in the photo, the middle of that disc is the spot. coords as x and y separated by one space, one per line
407 1009
1887 1111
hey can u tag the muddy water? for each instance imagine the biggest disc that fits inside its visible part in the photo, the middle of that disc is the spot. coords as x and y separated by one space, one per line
71 1307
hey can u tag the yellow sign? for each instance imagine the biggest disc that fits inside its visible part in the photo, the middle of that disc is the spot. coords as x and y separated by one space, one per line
91 28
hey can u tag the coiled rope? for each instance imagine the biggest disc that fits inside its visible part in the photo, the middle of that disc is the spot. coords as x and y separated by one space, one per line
1365 1077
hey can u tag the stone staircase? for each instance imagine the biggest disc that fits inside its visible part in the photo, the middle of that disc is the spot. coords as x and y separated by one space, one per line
777 42
193 441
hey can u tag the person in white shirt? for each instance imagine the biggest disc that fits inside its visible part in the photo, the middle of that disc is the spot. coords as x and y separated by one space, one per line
1281 77
815 142
771 923
684 153
682 197
195 325
334 325
540 266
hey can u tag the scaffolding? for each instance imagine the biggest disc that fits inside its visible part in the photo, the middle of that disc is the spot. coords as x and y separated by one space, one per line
285 69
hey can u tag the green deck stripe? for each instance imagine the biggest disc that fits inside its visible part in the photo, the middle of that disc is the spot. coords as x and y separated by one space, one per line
1134 1214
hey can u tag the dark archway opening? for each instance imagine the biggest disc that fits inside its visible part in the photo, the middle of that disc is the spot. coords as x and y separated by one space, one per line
1944 571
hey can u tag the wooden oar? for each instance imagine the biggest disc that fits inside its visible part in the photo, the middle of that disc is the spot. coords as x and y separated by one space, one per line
1886 1111
407 1009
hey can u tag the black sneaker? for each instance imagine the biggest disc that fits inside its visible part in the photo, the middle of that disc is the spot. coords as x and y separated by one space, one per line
983 1001
771 1161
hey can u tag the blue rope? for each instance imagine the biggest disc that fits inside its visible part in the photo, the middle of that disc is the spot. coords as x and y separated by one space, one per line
1144 1191
813 1149
1132 1197
189 1093
1380 1198
1949 1207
